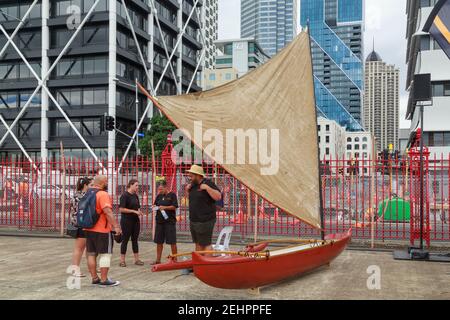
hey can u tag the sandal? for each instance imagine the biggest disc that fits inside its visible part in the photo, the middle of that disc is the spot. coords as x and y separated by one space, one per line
155 263
122 264
139 263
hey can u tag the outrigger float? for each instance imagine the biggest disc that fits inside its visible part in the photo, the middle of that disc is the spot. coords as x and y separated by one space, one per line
279 95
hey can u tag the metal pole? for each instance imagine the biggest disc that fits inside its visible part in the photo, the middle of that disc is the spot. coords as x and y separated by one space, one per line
63 193
373 210
322 222
421 177
22 22
137 117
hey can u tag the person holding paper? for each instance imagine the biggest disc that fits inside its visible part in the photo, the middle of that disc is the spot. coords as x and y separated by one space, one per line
165 206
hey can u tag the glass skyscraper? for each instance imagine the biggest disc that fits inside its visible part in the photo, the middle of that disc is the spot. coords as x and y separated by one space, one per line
271 23
336 28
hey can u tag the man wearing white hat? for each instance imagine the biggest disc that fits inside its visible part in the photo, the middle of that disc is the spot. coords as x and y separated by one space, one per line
203 194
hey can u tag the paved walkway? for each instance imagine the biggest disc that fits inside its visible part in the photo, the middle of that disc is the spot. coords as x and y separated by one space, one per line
34 268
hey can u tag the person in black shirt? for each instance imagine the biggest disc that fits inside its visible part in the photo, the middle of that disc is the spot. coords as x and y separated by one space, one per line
130 223
203 194
166 204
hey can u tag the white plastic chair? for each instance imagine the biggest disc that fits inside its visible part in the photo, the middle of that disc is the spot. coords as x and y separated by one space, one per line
224 235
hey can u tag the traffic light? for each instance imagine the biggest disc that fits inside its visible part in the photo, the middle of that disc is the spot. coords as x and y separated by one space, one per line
110 123
103 123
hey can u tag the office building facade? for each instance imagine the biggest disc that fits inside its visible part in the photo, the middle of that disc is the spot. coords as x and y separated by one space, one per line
240 54
96 75
211 18
234 59
336 28
424 55
272 23
381 102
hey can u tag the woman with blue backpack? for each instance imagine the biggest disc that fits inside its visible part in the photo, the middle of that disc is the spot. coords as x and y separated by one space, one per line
83 185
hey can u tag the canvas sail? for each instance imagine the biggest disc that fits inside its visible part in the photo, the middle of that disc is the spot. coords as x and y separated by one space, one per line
278 95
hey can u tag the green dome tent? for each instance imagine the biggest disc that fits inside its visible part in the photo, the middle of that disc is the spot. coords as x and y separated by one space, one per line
395 210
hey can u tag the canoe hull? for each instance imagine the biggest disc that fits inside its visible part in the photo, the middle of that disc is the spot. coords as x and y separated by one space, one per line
230 272
188 264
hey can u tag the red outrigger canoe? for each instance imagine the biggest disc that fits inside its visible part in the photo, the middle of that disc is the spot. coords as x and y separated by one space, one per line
269 267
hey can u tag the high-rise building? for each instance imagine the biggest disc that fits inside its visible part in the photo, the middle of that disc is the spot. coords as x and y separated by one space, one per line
234 59
211 17
336 29
381 101
96 76
272 23
424 55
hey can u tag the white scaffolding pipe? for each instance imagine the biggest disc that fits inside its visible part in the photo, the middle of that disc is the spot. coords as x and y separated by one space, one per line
196 69
41 81
45 64
157 86
203 51
18 142
50 95
152 5
176 45
22 22
136 42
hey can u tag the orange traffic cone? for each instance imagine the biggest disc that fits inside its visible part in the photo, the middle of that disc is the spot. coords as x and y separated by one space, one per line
239 217
21 210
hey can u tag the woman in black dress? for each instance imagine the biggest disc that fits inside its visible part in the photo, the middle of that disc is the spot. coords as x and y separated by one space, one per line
129 222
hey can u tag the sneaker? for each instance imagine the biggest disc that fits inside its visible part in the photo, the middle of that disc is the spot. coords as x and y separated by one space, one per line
96 281
109 283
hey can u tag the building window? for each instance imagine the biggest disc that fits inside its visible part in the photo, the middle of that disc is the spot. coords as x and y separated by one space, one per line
441 89
85 97
29 129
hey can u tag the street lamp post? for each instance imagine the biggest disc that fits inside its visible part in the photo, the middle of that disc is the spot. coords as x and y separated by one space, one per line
137 116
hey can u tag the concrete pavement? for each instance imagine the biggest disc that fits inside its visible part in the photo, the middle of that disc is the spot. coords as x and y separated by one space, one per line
34 268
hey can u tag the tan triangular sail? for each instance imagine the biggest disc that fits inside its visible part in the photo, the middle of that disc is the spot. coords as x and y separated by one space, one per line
277 95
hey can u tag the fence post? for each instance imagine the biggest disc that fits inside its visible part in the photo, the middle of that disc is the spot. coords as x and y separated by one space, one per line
63 191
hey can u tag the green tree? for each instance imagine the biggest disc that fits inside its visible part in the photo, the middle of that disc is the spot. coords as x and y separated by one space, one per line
160 127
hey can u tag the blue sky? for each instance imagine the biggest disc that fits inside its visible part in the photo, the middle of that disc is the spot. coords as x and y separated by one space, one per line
385 22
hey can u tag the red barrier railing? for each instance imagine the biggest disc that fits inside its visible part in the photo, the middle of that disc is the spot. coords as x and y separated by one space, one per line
376 198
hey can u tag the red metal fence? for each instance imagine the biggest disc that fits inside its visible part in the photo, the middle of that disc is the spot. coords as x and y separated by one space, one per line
378 198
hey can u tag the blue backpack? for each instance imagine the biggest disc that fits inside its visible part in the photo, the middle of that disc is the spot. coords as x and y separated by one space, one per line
87 215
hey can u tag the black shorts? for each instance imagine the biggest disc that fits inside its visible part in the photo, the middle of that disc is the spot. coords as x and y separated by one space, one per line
99 243
202 232
81 233
165 232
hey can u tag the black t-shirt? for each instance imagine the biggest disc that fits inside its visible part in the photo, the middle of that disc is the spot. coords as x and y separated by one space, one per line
129 201
169 199
202 207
